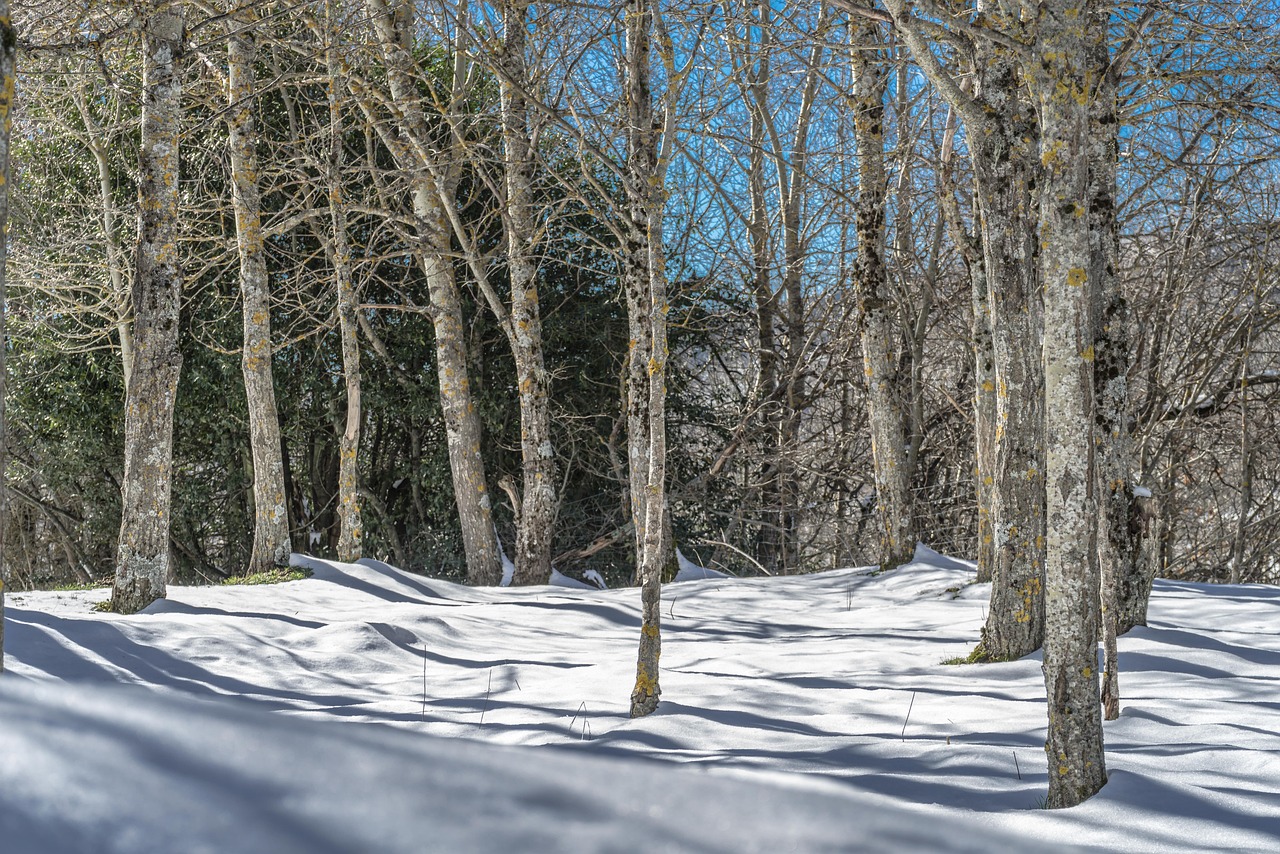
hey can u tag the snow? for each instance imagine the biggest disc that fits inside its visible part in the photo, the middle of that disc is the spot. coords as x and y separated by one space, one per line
687 570
1141 492
367 709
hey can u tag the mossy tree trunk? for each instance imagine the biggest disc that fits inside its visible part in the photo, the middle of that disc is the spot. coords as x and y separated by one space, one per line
142 560
271 546
1005 167
538 503
433 186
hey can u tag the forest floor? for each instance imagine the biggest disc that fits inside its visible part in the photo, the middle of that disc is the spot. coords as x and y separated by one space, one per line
365 709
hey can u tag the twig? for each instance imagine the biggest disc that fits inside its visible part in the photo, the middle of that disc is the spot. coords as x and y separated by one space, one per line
582 708
487 689
1015 764
908 717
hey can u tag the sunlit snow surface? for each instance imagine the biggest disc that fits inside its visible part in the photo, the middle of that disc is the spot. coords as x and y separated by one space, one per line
370 710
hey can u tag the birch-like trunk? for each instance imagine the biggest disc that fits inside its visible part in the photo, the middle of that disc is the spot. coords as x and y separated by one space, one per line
8 78
142 558
1005 167
1117 548
645 282
1064 85
350 524
271 546
538 504
433 185
886 415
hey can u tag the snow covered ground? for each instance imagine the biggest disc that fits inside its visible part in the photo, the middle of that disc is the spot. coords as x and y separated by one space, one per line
369 710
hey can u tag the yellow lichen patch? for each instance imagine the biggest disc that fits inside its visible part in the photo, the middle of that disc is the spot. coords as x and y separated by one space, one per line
1087 354
1076 276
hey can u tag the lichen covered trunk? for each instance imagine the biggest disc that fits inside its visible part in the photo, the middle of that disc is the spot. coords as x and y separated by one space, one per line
644 279
271 544
461 421
8 77
433 185
1004 166
886 415
142 557
1064 85
537 454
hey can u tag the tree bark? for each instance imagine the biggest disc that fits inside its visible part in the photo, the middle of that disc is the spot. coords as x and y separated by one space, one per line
142 562
8 78
350 524
1063 83
1005 169
538 505
885 415
645 284
271 546
433 186
1112 353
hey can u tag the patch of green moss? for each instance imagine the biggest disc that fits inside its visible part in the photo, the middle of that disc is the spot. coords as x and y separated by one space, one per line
978 656
272 576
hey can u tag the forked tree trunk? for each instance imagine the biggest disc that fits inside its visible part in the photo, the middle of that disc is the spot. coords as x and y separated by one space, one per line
1064 83
886 415
433 185
538 504
142 558
350 523
8 77
1002 137
271 546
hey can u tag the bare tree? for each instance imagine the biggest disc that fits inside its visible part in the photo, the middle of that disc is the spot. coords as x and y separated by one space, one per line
434 179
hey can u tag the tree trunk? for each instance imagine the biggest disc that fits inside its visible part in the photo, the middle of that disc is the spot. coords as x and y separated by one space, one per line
984 359
1063 82
645 284
538 506
8 77
1116 546
142 562
350 523
271 546
875 302
1004 167
1152 520
433 187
